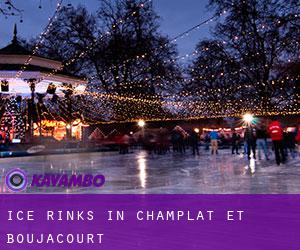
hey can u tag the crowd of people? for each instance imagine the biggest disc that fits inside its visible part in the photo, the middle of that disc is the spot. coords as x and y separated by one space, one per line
284 142
254 140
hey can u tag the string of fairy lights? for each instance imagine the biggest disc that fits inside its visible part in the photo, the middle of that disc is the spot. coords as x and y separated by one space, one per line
174 39
190 106
41 38
95 42
206 109
100 107
43 35
203 78
196 52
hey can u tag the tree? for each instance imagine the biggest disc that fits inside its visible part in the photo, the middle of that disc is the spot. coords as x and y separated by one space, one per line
136 56
121 48
70 35
250 44
213 77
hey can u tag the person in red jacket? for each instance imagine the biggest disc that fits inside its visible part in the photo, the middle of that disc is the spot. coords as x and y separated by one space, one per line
276 134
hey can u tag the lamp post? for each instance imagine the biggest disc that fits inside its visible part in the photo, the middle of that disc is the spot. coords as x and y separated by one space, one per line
68 91
32 84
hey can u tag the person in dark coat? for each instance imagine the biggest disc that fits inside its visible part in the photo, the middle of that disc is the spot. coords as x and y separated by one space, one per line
194 140
235 139
261 136
250 139
290 143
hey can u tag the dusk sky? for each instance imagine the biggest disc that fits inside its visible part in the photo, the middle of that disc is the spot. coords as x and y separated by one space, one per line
176 16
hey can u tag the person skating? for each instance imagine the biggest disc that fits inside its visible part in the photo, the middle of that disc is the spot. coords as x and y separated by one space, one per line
261 136
250 139
206 141
194 140
290 143
235 139
214 141
276 134
297 139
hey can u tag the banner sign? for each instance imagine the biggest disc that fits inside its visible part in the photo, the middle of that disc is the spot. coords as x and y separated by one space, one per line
208 222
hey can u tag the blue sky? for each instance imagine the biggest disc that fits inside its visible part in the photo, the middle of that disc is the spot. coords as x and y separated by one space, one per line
176 17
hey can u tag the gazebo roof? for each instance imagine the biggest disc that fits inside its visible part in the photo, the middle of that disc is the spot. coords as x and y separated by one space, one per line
13 59
14 48
14 55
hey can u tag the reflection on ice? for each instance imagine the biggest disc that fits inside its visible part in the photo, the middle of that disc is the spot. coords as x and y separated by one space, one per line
252 165
141 159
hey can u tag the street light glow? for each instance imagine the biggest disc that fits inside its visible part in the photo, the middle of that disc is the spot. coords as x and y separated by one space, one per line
197 130
141 123
248 118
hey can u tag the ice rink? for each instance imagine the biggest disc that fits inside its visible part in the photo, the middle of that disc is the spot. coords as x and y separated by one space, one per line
141 173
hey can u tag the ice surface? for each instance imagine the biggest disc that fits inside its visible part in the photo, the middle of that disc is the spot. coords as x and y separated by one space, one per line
141 173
